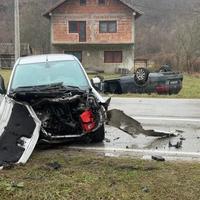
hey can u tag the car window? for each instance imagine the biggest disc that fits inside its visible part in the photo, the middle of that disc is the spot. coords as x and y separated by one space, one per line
67 72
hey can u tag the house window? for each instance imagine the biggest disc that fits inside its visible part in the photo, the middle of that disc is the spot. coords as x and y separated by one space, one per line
112 56
102 2
78 27
73 27
108 26
82 2
77 54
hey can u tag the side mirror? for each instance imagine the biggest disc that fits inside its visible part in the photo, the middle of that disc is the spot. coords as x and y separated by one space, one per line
97 83
2 86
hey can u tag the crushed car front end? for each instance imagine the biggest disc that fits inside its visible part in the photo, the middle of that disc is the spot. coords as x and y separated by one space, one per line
64 112
49 98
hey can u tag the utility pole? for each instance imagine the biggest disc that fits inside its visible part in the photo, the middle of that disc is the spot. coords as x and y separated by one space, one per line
17 30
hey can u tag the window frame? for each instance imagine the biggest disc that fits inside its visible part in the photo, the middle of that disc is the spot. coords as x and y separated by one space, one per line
101 2
80 29
108 24
83 2
112 57
70 23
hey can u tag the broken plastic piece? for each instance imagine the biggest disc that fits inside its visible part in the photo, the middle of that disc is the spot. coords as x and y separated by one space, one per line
158 158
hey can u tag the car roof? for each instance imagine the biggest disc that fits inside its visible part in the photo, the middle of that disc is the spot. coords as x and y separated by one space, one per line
45 58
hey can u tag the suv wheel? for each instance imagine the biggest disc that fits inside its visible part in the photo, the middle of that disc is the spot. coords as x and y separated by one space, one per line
141 76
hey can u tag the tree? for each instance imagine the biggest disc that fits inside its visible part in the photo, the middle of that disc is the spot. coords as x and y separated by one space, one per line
35 29
188 44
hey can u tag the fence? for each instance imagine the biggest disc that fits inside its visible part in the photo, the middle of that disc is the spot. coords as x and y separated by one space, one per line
7 63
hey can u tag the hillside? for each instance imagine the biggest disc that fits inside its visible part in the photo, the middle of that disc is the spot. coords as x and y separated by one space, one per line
155 32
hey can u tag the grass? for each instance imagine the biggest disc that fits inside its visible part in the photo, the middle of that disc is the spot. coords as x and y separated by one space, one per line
6 75
191 86
87 176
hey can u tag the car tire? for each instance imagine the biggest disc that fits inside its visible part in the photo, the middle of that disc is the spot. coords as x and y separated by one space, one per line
141 76
98 135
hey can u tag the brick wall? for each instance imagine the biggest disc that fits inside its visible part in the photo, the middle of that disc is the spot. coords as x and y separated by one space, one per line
92 13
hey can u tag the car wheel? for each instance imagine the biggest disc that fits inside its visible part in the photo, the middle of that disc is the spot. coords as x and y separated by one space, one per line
141 76
98 135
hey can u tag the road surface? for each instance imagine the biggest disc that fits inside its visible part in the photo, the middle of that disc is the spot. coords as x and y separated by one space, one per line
175 115
180 116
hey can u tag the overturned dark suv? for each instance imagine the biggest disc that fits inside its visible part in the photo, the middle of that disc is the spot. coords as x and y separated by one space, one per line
49 97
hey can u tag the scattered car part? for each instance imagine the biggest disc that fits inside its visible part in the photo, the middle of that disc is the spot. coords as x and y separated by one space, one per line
19 132
120 120
178 145
54 165
145 189
158 158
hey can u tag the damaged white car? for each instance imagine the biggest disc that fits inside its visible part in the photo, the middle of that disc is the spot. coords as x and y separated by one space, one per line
50 98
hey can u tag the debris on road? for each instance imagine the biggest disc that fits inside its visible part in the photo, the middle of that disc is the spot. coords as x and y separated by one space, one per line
125 123
179 131
158 158
182 138
107 140
178 145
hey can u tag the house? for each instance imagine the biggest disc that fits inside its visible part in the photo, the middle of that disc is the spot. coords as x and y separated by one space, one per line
100 33
7 53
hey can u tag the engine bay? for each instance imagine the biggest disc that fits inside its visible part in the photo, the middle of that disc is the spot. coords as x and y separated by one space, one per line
63 111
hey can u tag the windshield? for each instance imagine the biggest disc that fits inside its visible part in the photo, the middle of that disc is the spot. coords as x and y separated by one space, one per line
67 72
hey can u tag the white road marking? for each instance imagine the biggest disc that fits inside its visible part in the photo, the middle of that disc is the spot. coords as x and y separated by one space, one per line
169 119
140 151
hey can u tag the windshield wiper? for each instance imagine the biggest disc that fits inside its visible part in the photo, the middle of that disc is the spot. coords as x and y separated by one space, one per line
72 86
37 87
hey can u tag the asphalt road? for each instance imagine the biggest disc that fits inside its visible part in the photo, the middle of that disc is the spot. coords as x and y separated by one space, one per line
180 116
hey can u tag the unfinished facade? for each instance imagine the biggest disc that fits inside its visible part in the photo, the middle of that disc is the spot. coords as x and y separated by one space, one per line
100 33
